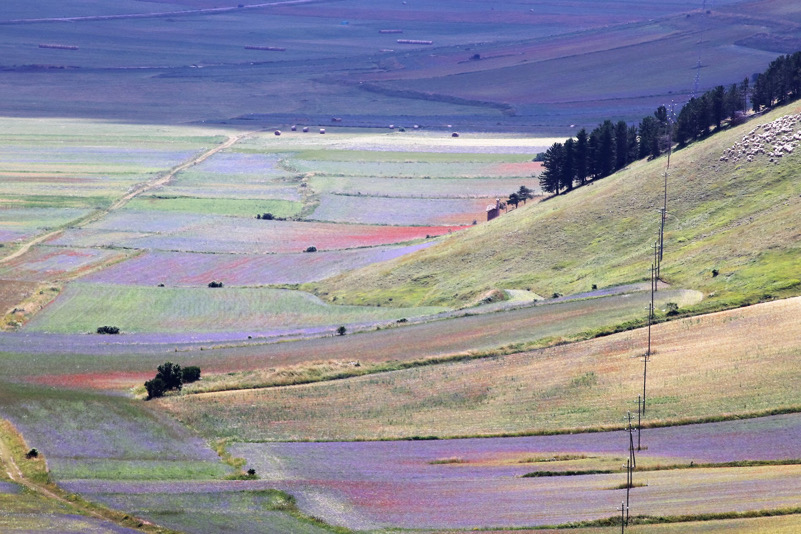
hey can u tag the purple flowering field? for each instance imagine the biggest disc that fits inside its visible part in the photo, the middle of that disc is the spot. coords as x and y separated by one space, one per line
396 484
239 163
400 211
44 263
17 224
85 435
431 188
198 233
88 158
192 269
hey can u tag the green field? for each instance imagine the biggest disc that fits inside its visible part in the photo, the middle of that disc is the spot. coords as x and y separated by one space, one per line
82 308
218 206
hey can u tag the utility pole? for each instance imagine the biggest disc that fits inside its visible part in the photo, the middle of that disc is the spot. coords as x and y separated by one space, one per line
628 488
639 420
657 246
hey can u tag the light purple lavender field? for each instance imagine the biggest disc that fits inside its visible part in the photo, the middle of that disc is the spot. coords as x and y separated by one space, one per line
400 211
192 269
198 233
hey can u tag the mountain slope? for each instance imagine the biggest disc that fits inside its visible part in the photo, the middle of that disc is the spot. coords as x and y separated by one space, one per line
741 219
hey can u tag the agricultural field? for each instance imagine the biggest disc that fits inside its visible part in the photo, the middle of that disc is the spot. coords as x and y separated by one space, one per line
481 482
194 269
485 371
589 385
49 263
82 308
489 66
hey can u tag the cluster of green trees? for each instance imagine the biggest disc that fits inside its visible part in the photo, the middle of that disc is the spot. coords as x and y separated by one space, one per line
779 84
612 146
171 376
521 195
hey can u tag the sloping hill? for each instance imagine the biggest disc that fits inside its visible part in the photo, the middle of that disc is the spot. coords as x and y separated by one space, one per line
740 219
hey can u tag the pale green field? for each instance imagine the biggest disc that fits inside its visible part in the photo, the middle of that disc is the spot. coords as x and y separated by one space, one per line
82 308
217 206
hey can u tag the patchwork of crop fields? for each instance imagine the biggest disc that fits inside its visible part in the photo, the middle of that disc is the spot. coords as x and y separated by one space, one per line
468 483
485 371
274 370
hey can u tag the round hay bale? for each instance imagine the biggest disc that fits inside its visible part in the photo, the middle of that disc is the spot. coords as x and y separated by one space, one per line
277 132
455 134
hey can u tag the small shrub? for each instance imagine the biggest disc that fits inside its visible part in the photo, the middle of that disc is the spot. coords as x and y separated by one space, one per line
671 309
267 217
251 472
191 373
31 454
341 331
108 330
214 283
311 249
715 272
594 287
556 295
155 388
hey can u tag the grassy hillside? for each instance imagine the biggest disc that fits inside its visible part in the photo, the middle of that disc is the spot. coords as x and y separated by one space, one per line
740 218
579 385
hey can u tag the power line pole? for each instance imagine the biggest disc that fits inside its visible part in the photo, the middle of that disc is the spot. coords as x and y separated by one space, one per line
639 420
648 351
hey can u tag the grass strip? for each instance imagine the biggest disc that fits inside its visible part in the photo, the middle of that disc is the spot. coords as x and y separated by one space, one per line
672 467
652 520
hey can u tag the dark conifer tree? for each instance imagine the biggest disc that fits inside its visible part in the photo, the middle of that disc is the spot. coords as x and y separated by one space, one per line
581 157
621 145
552 162
569 165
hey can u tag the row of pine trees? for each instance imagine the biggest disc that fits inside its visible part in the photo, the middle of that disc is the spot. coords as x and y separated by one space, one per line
612 146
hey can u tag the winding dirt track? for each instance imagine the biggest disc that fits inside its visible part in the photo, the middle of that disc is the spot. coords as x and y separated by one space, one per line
138 190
